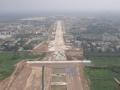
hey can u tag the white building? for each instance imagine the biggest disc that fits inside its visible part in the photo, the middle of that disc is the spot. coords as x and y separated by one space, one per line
7 33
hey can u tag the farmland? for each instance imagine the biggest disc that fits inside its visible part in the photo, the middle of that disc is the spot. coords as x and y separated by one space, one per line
102 73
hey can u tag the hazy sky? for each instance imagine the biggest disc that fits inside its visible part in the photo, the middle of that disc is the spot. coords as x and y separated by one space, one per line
59 5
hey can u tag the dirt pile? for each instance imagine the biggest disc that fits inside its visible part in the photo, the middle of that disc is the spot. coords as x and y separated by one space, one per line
74 54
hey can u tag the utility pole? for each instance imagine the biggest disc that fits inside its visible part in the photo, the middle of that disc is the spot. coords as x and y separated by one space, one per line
43 69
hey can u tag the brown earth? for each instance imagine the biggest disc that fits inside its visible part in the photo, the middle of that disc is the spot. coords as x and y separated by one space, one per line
74 54
42 47
20 72
23 78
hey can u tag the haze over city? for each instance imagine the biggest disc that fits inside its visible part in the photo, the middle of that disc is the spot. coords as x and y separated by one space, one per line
58 5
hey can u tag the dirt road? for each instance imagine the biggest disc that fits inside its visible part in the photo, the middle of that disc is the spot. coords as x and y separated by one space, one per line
72 74
58 45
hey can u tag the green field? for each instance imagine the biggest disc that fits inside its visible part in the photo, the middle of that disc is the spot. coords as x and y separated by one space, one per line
102 78
9 59
109 61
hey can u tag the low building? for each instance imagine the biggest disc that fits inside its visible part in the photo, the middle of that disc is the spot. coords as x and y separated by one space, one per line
7 33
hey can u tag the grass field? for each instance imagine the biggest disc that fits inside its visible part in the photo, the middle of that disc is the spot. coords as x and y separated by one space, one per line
109 61
9 59
102 78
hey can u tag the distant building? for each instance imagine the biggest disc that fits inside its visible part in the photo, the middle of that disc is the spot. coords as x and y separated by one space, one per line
7 33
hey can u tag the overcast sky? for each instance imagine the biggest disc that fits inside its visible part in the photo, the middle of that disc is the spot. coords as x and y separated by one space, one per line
58 5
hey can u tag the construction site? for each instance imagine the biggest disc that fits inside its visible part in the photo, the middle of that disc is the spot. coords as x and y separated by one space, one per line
61 69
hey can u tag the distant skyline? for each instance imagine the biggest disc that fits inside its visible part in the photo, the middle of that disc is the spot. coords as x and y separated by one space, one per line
58 5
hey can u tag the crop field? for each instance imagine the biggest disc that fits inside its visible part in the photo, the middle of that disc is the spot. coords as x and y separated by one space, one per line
102 73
